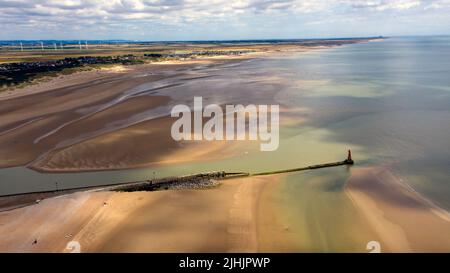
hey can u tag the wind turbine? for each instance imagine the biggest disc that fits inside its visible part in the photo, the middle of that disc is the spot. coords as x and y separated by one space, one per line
42 46
21 46
79 43
60 45
86 44
56 48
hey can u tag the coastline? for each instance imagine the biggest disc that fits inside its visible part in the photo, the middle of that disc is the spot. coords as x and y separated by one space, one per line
73 128
61 79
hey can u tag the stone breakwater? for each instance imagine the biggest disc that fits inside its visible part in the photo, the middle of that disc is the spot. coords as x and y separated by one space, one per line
194 184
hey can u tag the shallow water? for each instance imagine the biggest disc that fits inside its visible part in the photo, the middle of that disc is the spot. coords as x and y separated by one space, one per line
323 219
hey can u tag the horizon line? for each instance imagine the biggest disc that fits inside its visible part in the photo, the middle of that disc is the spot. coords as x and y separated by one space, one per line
233 40
213 40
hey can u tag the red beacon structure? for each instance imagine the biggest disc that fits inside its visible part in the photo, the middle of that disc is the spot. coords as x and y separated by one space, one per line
349 159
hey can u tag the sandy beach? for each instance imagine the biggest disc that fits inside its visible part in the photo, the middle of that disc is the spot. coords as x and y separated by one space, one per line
229 218
238 215
404 219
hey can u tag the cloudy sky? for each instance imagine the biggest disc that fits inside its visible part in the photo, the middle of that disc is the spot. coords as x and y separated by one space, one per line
220 19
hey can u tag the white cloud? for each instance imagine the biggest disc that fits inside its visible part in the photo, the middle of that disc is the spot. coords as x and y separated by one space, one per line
438 4
108 14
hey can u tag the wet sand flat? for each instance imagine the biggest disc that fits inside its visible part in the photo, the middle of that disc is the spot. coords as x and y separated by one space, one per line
46 126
